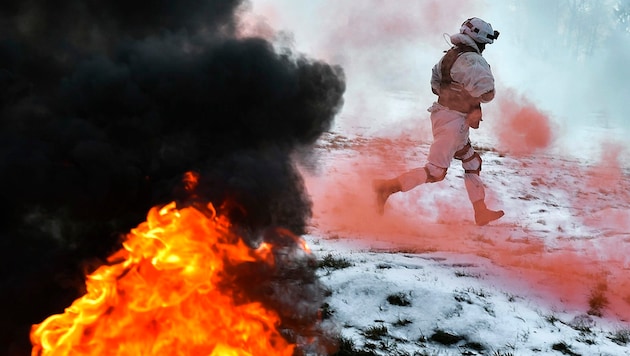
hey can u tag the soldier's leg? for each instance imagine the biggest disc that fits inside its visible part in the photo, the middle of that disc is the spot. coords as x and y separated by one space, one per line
447 130
471 162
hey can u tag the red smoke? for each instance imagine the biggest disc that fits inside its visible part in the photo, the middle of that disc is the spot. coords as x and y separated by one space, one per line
607 174
523 129
538 257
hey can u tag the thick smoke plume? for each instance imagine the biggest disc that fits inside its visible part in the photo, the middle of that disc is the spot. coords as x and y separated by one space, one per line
106 104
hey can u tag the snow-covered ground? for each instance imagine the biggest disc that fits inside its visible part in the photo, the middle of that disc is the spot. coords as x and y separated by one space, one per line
550 277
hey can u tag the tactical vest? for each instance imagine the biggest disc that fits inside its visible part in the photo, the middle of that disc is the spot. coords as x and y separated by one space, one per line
453 95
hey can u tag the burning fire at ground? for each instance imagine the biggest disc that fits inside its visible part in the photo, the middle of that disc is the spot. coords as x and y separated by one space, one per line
169 291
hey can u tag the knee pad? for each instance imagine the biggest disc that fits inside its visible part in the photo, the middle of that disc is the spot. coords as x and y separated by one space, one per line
434 173
472 164
471 161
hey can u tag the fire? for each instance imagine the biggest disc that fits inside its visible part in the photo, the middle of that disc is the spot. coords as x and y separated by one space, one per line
164 293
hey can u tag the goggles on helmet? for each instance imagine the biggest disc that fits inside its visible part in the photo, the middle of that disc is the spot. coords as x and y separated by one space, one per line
482 32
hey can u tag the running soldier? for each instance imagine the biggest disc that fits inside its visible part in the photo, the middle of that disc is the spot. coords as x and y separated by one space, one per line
462 80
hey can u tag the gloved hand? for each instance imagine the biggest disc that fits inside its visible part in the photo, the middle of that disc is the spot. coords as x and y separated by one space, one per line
474 117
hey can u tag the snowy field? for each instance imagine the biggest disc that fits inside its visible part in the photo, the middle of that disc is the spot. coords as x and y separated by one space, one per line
549 278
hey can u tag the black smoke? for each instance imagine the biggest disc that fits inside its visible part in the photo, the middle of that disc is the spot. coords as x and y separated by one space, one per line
104 105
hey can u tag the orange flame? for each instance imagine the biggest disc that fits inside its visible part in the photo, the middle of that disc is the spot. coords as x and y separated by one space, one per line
161 295
191 179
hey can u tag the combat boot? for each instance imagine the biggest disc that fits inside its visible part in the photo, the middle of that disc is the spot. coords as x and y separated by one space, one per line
483 215
383 189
